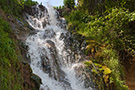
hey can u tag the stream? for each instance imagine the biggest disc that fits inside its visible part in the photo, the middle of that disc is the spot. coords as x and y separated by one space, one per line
49 50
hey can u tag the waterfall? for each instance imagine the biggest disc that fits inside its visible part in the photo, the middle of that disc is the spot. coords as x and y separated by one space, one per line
50 53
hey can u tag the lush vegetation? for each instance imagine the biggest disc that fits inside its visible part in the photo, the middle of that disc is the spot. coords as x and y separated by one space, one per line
9 69
69 3
15 7
101 6
30 3
108 28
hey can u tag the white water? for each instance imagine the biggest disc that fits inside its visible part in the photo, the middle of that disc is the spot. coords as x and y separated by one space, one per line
46 43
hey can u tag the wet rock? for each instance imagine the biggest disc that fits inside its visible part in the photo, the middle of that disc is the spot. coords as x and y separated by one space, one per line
45 88
49 33
51 44
40 13
82 75
51 65
45 23
32 32
49 60
37 80
42 8
34 10
28 9
21 24
62 36
63 23
45 64
23 45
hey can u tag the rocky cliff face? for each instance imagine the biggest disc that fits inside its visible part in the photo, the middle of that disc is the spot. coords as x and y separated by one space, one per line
129 70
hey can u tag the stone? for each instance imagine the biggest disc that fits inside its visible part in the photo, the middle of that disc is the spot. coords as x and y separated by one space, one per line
49 33
42 8
62 36
51 44
36 79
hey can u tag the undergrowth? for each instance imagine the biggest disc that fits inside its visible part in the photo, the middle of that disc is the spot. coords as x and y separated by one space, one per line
107 36
15 7
10 75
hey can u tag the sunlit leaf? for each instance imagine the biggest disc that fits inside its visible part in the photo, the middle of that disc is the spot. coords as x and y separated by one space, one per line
88 63
106 70
90 46
99 65
91 41
106 78
92 50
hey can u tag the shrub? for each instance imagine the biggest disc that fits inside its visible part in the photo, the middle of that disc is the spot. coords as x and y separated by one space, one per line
69 3
106 37
30 3
13 7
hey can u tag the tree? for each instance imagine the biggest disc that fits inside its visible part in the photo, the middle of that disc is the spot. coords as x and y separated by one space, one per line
69 3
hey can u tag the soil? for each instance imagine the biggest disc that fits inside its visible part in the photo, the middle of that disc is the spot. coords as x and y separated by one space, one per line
129 69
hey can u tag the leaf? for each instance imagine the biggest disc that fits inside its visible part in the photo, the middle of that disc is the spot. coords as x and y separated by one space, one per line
106 78
106 70
88 63
92 50
90 46
98 65
91 41
93 70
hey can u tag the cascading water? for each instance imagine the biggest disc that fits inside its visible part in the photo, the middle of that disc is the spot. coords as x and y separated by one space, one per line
51 59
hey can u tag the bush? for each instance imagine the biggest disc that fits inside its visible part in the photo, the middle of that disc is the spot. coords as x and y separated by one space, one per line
106 36
69 3
13 7
100 6
30 3
115 29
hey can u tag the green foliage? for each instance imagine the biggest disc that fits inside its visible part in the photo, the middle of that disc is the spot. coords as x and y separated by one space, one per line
30 3
77 20
108 27
108 71
114 64
106 36
69 3
128 4
9 68
60 7
115 29
100 6
89 6
13 7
